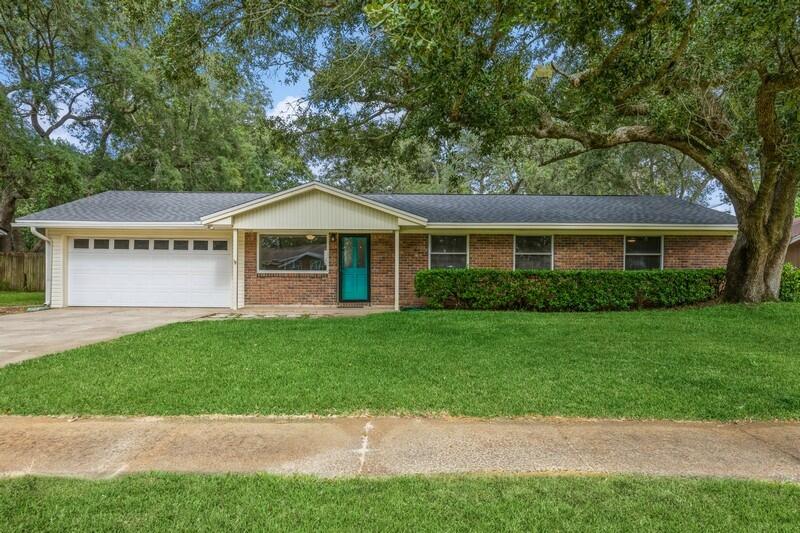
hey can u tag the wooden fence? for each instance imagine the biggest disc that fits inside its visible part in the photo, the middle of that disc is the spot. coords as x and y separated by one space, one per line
22 271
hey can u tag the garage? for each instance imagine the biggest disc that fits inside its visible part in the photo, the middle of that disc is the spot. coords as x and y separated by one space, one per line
149 272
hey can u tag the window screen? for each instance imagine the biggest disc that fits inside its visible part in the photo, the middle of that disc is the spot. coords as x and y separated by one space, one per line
448 251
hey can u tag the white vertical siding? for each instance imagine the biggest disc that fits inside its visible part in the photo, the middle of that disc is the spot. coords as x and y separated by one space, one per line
57 287
240 268
316 210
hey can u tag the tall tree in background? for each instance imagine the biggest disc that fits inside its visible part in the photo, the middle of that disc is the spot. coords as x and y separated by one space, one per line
53 66
87 106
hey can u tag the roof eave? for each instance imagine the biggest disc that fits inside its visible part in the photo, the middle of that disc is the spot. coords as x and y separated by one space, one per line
593 226
105 224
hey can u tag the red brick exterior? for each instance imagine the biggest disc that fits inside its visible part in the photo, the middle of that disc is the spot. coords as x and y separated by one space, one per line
690 251
485 251
382 269
318 289
413 258
290 288
491 251
602 252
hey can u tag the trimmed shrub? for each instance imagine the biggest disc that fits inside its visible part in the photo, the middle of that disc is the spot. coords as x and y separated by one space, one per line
563 290
790 283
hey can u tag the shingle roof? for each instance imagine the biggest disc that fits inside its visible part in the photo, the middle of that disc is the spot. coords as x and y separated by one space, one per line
529 209
189 207
140 206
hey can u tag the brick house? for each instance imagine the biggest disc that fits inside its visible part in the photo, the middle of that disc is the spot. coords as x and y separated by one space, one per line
315 245
793 251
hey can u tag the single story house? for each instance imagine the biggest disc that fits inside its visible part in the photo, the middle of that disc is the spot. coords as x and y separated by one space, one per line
317 245
793 251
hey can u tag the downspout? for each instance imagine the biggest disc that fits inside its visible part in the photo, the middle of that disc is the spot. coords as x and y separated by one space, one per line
48 264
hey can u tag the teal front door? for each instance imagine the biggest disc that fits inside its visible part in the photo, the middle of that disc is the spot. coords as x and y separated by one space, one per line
354 268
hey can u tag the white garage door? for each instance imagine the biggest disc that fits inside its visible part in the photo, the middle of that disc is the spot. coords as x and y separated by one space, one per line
149 272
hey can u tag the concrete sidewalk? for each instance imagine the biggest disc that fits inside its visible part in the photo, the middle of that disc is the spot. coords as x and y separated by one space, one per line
105 447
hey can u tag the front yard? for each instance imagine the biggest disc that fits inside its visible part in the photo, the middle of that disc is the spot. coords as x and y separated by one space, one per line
470 503
724 362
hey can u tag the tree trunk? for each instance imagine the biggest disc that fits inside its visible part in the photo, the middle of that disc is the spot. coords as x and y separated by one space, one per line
756 261
8 206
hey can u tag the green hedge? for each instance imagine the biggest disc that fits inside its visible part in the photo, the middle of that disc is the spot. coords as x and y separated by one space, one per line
579 290
562 290
790 283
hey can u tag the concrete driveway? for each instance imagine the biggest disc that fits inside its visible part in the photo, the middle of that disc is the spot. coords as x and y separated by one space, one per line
28 335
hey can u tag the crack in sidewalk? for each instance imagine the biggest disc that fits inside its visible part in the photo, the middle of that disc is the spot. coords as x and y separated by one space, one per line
364 449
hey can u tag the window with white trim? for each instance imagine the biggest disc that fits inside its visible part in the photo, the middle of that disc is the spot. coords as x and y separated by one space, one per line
533 252
292 253
448 251
644 253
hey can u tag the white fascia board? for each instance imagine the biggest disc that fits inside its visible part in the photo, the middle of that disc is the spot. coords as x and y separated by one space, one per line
288 193
700 227
100 224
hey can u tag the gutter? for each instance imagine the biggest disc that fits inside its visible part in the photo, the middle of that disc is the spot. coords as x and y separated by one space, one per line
48 264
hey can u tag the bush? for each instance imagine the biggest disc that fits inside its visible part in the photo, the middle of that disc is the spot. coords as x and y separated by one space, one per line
790 283
562 290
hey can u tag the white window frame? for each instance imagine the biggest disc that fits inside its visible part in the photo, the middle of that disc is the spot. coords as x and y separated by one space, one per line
430 248
552 250
660 254
293 272
151 248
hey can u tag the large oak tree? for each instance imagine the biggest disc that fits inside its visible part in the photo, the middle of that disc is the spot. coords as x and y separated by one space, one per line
715 80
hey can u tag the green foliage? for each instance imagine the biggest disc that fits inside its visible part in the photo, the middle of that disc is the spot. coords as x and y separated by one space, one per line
790 283
581 290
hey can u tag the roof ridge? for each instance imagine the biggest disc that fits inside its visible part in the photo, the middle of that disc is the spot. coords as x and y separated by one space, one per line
523 195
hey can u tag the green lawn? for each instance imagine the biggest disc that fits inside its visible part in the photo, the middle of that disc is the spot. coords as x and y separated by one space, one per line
268 503
724 362
18 298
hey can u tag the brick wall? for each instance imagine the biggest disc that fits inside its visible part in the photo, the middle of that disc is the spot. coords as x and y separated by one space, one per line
689 251
485 251
382 269
491 251
290 288
602 252
413 258
318 289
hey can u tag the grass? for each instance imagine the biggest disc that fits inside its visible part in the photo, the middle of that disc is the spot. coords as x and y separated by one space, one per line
19 298
722 362
260 502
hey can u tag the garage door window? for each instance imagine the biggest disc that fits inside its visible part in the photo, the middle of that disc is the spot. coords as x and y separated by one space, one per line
200 245
180 245
220 246
122 244
141 244
101 244
81 243
160 244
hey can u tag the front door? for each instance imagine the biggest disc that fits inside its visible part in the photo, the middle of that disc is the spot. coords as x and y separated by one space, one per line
354 268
